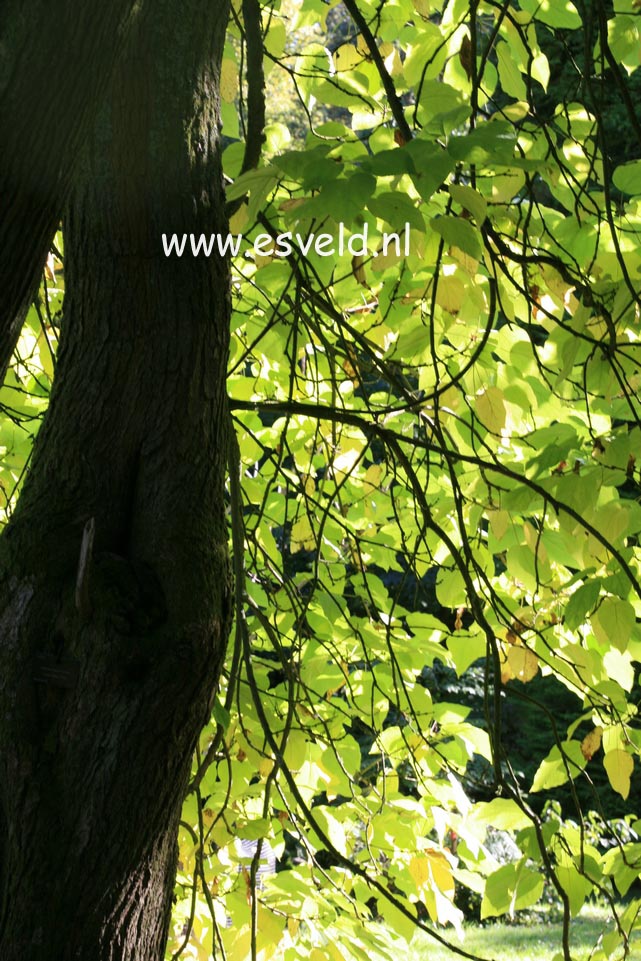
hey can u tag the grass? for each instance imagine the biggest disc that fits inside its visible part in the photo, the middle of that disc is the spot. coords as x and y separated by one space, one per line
539 941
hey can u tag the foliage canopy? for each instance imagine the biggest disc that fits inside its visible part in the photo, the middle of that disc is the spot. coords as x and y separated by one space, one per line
437 465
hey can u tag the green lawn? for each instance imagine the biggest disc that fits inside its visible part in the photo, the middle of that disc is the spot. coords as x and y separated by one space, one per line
536 942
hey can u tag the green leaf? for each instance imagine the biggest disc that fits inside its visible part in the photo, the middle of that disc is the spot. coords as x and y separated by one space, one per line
619 766
504 814
511 888
459 233
221 715
555 13
509 73
613 622
492 142
396 209
576 886
471 200
559 766
581 601
254 830
490 409
627 177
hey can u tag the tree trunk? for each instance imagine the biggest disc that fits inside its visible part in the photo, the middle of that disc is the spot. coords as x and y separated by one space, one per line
56 58
114 582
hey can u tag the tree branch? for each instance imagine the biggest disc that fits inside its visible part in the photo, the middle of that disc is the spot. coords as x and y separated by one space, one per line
255 129
388 83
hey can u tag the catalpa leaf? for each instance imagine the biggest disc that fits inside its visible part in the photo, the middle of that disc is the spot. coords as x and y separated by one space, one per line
627 177
613 621
559 766
619 766
523 663
511 888
490 408
459 233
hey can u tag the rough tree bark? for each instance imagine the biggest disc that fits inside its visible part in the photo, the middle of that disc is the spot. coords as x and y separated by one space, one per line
114 582
56 57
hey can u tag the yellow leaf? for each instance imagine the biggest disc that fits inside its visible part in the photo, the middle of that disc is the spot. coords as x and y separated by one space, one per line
302 535
591 743
270 930
450 294
438 890
228 81
373 478
432 870
334 952
506 670
295 751
263 260
347 56
524 664
419 871
441 871
499 523
490 409
619 766
238 947
238 221
265 767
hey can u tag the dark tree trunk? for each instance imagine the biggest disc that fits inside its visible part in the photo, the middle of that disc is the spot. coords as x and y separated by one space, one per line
110 651
56 57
